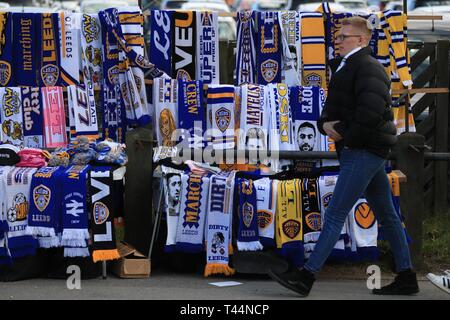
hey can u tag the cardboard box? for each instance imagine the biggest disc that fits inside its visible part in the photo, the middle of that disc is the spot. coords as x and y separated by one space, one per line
132 263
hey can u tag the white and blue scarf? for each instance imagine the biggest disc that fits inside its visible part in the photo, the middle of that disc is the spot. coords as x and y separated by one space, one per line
307 104
246 55
83 114
161 41
25 55
33 117
291 52
91 46
165 94
44 219
70 47
268 48
5 255
248 235
219 223
75 232
207 47
266 197
6 50
16 184
49 54
191 114
172 199
221 117
191 222
11 116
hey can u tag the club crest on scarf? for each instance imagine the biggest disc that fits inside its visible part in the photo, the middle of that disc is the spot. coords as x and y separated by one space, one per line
269 70
41 197
364 216
11 102
291 228
49 53
313 220
19 209
313 79
223 117
265 218
5 73
100 213
247 214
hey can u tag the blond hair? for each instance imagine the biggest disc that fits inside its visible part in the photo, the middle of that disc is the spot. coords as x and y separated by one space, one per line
358 23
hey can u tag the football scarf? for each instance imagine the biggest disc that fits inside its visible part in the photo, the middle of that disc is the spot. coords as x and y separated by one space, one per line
24 52
254 118
161 41
33 117
268 47
54 117
363 231
313 49
172 194
291 53
5 255
281 126
183 61
49 48
312 224
102 214
191 114
84 115
221 116
44 219
17 184
289 227
165 92
248 237
74 212
91 47
219 222
207 50
307 104
246 54
327 183
6 49
114 126
70 48
191 222
266 197
11 116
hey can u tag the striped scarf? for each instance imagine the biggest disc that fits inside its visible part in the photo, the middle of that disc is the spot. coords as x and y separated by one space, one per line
313 49
70 48
246 54
207 50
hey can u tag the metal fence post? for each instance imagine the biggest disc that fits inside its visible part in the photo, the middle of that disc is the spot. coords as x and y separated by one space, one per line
410 160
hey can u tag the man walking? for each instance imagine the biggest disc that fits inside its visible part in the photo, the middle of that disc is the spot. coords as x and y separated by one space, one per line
358 117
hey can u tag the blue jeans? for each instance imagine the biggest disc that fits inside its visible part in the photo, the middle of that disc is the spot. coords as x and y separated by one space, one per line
361 172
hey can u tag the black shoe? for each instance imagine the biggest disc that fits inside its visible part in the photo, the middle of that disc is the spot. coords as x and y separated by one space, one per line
405 283
298 280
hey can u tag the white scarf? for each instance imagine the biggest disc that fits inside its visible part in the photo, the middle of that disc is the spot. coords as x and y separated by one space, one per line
363 226
165 94
70 47
219 221
5 255
254 117
11 117
207 47
290 66
91 46
266 197
172 200
83 116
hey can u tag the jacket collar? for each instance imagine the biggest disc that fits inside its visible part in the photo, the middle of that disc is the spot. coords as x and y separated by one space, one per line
334 63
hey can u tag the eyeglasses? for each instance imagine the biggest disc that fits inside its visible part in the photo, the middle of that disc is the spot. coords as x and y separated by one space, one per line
342 37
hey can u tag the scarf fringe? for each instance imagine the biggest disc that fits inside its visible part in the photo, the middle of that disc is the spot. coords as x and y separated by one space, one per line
249 246
75 234
311 237
41 231
76 252
105 255
216 268
79 243
49 242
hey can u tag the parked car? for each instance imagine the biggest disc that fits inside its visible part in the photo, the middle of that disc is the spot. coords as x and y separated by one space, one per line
94 6
312 6
355 6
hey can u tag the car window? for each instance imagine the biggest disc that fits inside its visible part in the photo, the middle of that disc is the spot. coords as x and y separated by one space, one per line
226 31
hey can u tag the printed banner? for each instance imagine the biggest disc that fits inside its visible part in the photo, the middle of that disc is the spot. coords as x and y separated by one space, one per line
183 64
25 54
33 117
208 47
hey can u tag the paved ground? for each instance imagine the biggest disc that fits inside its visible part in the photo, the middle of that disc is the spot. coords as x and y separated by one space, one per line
165 286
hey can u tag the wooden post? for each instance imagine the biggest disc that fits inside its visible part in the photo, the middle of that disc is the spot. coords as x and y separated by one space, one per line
138 189
410 161
442 124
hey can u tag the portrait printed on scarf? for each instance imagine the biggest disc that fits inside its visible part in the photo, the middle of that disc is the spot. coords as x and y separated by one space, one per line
167 127
306 136
255 139
173 193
